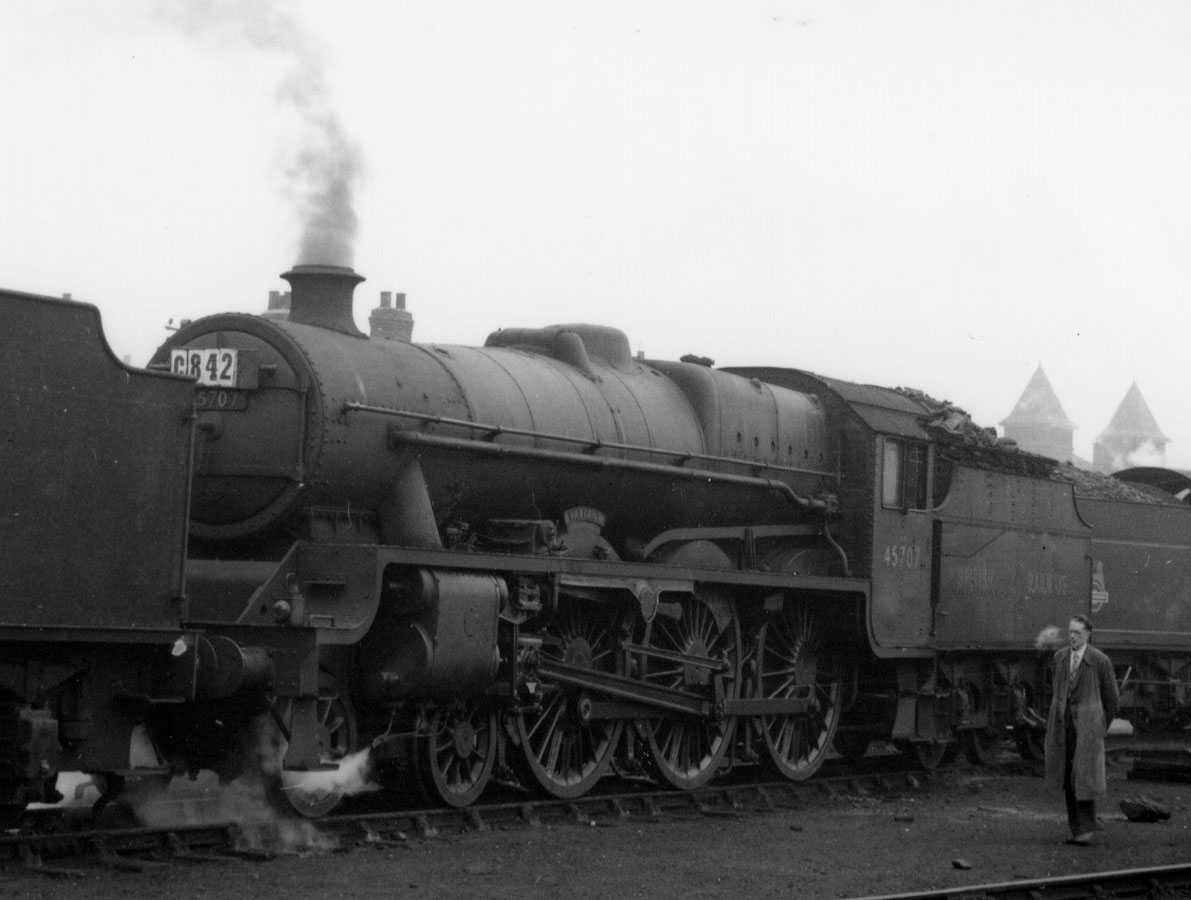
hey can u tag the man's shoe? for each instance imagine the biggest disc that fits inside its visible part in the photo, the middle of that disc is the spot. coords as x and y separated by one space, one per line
1081 840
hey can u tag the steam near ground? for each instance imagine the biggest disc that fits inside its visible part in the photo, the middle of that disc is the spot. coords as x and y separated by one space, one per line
204 800
182 801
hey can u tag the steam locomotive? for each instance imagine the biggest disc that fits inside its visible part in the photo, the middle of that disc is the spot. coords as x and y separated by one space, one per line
542 559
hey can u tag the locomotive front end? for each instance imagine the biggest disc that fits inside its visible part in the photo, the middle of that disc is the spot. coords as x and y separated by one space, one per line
261 403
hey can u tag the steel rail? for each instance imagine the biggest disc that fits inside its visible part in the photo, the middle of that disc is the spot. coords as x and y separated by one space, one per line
1146 882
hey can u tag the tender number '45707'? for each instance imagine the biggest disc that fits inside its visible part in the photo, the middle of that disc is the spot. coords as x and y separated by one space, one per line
903 556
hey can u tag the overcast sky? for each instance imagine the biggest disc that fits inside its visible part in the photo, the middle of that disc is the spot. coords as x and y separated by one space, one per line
940 195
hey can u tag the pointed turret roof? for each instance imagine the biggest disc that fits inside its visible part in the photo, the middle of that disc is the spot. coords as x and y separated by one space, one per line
1039 405
1134 419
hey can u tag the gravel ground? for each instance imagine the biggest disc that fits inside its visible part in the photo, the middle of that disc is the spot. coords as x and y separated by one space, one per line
1003 827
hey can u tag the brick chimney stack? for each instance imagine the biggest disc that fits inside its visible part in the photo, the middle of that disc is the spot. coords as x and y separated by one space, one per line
279 302
390 321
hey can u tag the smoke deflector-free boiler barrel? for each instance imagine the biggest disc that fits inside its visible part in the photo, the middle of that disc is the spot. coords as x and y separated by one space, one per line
533 423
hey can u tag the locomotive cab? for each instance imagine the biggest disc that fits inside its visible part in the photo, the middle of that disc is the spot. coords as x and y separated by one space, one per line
970 548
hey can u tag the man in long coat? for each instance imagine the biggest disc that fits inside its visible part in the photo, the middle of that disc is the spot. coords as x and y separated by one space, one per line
1082 706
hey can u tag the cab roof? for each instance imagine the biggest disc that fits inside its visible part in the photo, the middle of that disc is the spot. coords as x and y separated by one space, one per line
884 410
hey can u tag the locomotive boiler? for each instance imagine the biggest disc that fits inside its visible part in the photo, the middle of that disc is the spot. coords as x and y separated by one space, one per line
393 440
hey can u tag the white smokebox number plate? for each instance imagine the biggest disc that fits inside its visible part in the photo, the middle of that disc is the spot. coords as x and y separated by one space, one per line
214 366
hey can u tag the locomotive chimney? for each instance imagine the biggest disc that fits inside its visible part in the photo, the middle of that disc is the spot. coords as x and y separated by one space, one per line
322 296
389 322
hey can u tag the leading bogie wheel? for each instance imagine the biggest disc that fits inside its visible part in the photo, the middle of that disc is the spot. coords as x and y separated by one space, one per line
793 663
456 757
317 793
687 750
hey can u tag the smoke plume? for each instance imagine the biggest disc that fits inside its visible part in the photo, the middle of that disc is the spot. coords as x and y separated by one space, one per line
323 168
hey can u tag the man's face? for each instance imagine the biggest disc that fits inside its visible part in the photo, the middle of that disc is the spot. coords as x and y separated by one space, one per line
1077 634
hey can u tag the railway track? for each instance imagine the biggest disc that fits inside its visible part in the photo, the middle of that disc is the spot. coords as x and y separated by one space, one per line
1166 882
77 852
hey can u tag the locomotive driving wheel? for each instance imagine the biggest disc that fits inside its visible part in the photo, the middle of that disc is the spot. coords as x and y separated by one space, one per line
792 663
564 751
686 750
455 759
314 794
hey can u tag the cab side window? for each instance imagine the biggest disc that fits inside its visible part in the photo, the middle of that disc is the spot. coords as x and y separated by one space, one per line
891 479
904 474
